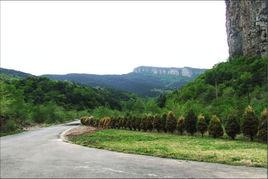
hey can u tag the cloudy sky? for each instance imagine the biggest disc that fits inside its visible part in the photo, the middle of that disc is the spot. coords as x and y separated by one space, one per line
111 37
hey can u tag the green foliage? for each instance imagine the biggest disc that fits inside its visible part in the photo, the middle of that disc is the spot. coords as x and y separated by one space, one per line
191 122
10 125
228 85
232 126
171 122
262 130
181 124
201 124
39 100
215 128
250 123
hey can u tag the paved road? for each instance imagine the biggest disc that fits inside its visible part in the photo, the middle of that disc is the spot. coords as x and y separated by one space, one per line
41 153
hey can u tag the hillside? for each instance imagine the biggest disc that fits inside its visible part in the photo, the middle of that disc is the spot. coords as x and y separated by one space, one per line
29 100
227 87
14 73
145 81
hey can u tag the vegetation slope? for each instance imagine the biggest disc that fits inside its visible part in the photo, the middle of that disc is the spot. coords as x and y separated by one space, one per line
227 87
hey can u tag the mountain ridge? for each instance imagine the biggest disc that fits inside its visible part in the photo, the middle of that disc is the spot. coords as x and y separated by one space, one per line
148 83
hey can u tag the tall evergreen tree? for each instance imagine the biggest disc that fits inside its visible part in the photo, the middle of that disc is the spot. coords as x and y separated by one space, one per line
201 124
232 126
262 130
171 122
250 123
191 122
181 124
215 128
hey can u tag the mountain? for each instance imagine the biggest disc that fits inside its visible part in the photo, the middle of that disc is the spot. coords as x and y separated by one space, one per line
144 81
180 72
14 73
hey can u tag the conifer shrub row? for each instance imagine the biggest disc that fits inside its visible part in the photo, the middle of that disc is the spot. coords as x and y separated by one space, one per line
191 123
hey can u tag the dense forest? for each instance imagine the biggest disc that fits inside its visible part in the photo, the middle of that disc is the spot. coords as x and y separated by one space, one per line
29 100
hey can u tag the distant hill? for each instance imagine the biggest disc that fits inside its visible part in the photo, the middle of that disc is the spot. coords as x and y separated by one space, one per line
14 73
144 80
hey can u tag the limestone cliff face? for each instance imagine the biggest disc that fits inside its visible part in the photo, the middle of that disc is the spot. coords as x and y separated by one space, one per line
247 27
184 72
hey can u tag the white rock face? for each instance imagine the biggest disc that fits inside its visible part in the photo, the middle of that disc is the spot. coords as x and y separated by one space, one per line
185 72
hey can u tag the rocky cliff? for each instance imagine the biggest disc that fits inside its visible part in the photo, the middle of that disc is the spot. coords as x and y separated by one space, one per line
247 27
185 71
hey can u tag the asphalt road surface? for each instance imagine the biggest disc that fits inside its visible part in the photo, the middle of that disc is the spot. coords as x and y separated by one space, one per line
41 153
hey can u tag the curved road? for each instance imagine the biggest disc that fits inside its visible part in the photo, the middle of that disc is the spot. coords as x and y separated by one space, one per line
41 153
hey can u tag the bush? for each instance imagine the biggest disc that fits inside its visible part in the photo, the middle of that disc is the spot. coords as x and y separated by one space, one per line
250 123
150 122
122 122
105 122
144 123
84 120
157 123
163 122
191 122
181 124
232 126
201 124
9 126
215 128
138 121
262 130
171 122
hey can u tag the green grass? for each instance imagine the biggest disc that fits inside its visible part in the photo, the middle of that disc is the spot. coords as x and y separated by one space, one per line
237 152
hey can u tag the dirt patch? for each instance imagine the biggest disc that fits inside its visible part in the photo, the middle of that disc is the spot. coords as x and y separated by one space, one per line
80 130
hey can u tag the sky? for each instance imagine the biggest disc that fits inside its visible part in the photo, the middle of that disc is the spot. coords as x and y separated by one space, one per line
62 37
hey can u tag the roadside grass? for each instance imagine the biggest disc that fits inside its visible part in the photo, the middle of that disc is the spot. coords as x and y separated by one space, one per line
196 148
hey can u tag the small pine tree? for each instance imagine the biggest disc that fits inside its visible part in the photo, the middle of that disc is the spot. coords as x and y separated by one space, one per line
215 128
201 124
138 123
250 123
134 122
181 124
150 121
171 122
157 123
191 122
163 122
232 126
262 130
145 123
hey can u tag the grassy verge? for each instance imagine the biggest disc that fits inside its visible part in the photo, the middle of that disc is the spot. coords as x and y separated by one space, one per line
195 148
